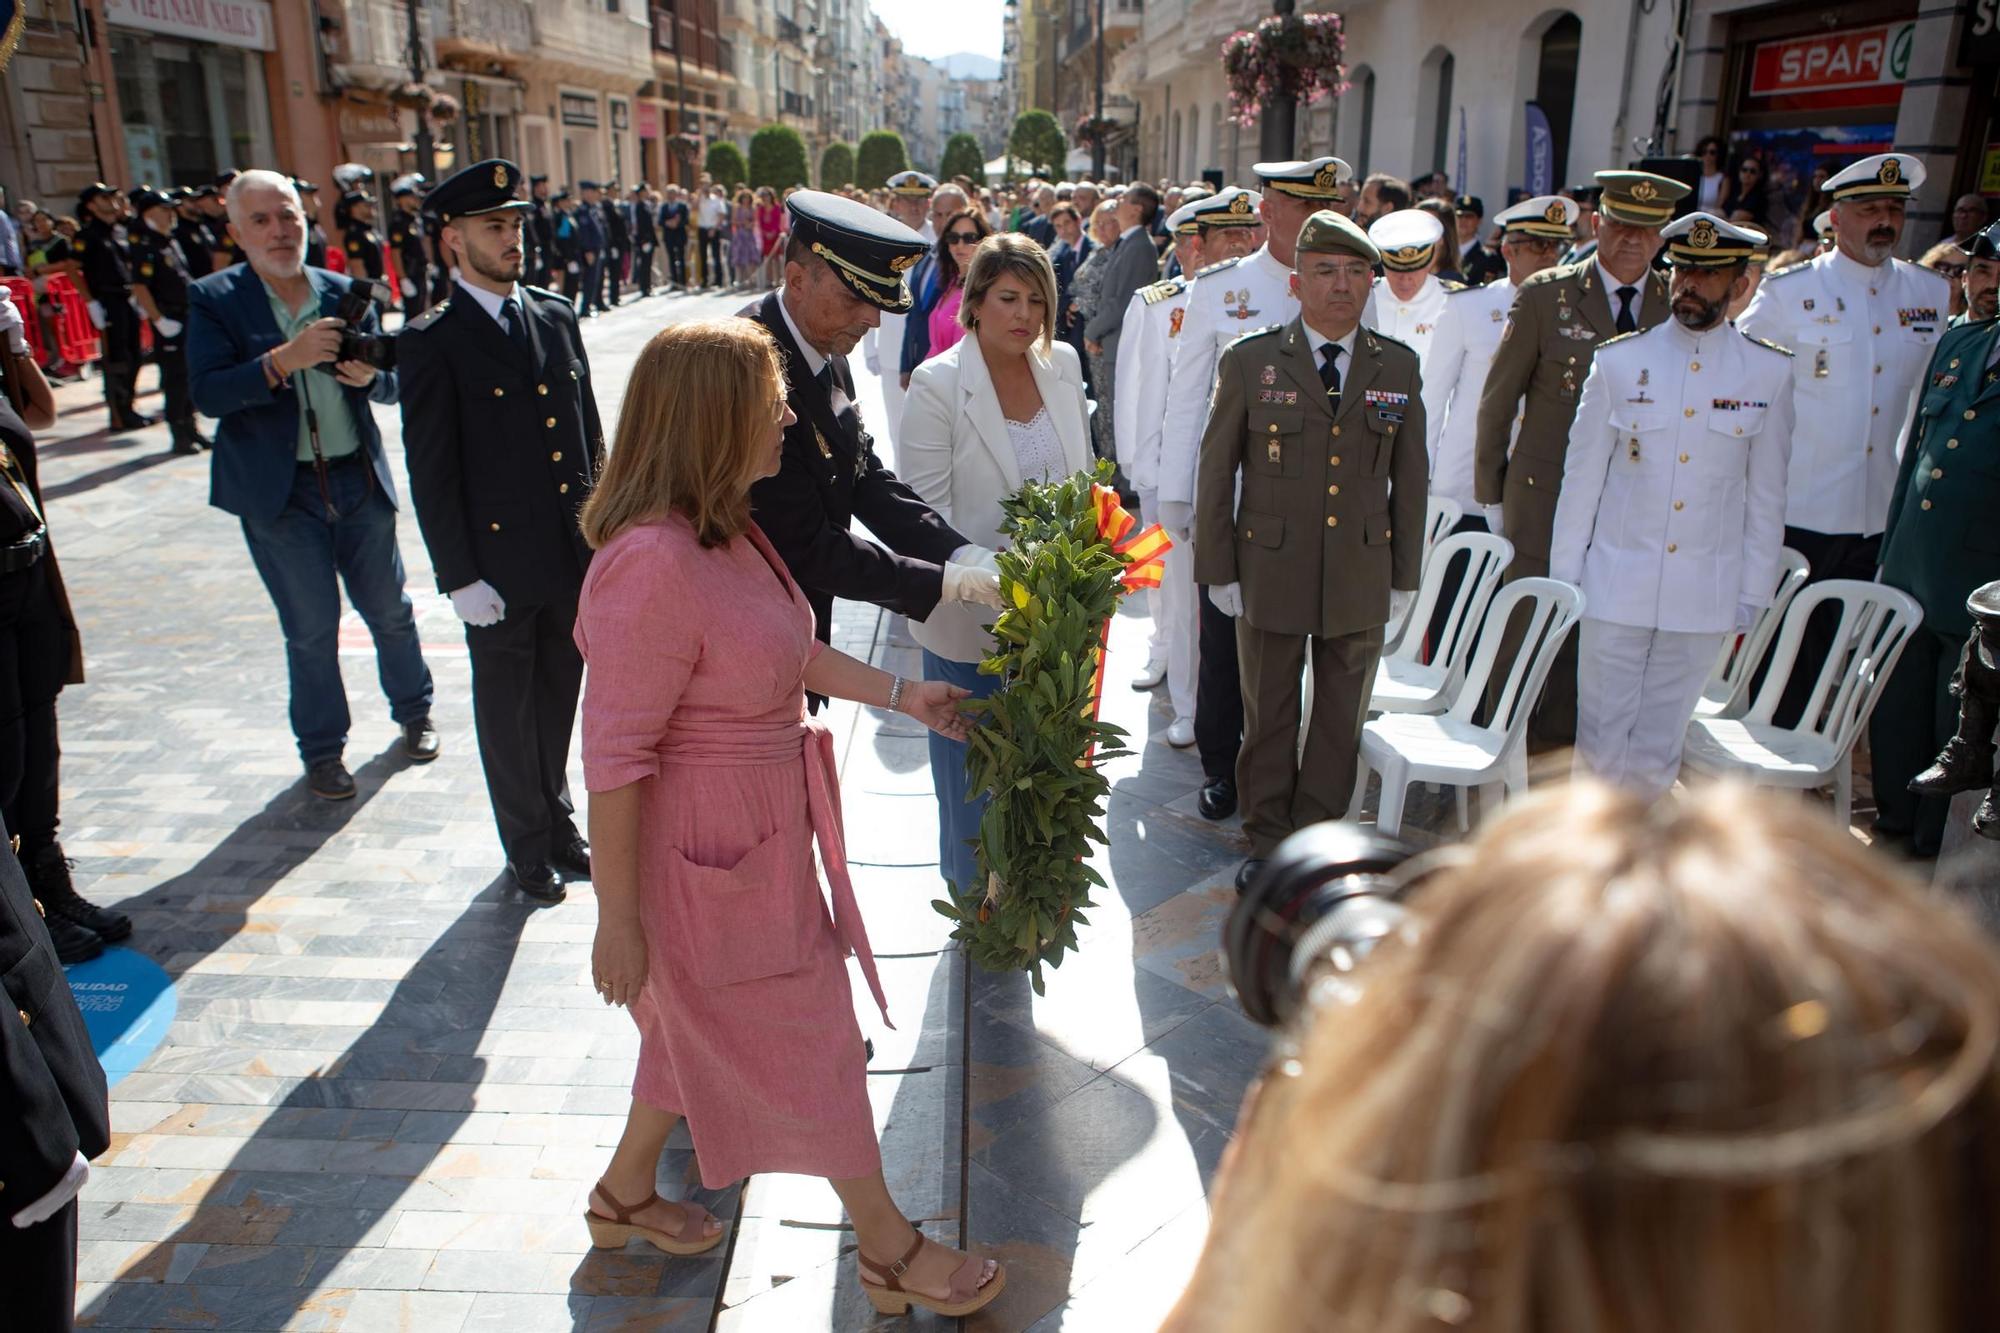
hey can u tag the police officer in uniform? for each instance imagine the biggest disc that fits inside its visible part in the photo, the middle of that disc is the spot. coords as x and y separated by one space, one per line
406 238
1210 230
215 208
1320 422
538 244
504 443
1672 508
1559 317
191 230
645 238
160 281
107 278
1862 324
1225 301
361 241
315 233
844 266
1408 299
617 241
1478 262
1938 548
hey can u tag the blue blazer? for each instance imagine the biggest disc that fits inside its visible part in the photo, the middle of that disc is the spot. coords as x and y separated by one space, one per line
229 327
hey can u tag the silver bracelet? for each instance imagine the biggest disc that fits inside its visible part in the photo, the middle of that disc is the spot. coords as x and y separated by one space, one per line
895 693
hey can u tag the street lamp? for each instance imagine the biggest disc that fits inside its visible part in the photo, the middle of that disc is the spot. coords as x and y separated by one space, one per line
1097 116
1277 129
426 150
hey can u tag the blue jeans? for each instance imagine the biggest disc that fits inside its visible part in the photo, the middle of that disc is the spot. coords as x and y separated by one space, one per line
303 556
958 819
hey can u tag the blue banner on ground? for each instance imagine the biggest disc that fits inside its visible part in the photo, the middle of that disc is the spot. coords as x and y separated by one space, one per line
128 1004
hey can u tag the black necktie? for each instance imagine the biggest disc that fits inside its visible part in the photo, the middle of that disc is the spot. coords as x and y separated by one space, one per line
1627 321
517 328
1329 373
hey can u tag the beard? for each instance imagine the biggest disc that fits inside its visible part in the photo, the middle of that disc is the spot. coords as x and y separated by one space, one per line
1984 305
1696 313
1880 245
498 269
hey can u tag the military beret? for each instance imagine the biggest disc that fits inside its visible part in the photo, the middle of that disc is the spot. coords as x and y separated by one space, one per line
1703 240
483 187
1638 198
1318 178
1329 233
1407 238
1883 176
870 250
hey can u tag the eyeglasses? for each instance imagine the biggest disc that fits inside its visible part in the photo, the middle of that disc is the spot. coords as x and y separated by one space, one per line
1950 270
962 238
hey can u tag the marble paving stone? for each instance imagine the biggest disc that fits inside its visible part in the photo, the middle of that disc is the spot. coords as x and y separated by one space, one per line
499 1311
1210 1060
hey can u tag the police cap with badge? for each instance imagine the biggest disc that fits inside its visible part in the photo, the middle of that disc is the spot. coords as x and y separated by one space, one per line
912 184
869 250
483 187
1638 198
1317 178
1547 217
1703 240
1233 207
146 197
93 191
1407 239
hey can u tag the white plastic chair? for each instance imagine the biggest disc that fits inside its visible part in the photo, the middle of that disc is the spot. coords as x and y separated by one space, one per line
1404 682
1875 622
1440 517
1451 748
1727 693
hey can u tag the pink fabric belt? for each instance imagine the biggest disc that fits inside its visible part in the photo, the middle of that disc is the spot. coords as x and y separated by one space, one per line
808 742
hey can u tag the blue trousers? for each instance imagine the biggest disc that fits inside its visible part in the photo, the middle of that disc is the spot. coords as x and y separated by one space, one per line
958 819
304 556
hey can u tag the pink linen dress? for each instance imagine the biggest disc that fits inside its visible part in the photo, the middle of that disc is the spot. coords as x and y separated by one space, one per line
695 690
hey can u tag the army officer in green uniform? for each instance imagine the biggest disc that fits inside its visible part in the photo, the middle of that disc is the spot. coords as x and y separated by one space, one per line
1322 422
1942 542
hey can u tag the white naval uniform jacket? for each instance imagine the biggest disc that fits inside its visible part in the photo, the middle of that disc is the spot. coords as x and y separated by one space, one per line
1413 321
1455 369
1861 338
1224 302
1673 496
1152 318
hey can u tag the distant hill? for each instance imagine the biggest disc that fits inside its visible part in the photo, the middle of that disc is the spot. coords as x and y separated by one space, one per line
969 65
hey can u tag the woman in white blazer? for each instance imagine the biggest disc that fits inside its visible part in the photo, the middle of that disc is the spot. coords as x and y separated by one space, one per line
1005 406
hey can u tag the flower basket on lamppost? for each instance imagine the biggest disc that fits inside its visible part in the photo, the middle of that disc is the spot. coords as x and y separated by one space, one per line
685 147
412 96
444 108
1090 131
1286 59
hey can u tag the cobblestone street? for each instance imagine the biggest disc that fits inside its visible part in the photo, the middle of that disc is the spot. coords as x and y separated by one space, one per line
386 1087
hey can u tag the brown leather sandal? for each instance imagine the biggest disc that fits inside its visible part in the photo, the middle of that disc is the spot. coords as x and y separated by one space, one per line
967 1295
611 1233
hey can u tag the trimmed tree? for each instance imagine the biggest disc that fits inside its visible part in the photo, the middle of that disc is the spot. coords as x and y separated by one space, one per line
880 156
836 166
1038 141
725 163
777 158
962 158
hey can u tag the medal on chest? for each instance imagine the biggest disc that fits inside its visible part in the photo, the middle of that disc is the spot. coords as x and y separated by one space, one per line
1822 364
1241 301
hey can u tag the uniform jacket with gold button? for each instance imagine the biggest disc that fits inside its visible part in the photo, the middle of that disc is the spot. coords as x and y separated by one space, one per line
1331 515
1559 317
503 445
1943 538
1673 497
1860 338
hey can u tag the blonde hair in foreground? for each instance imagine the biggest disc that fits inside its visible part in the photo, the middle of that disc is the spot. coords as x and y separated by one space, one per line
1006 252
1708 1068
692 432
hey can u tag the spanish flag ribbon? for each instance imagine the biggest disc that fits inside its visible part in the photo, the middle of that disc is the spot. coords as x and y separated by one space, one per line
1144 550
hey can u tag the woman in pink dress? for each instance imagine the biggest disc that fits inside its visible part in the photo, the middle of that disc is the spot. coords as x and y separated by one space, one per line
709 787
770 226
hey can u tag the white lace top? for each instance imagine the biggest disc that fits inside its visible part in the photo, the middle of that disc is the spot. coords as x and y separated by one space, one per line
1036 447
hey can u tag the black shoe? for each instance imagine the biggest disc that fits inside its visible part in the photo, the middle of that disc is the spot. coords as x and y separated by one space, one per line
329 780
1961 767
186 448
1248 871
49 880
420 741
133 421
538 880
572 857
1986 819
74 943
1218 798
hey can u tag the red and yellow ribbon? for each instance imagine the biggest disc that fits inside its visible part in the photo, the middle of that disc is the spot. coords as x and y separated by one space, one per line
1145 556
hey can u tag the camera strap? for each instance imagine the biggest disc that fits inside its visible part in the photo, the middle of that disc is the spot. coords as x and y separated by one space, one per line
319 457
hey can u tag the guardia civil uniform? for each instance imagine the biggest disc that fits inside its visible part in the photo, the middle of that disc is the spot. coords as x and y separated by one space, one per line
1560 315
1408 239
1326 440
1671 517
1941 543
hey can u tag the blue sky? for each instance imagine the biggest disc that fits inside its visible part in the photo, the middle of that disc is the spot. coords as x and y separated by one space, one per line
934 28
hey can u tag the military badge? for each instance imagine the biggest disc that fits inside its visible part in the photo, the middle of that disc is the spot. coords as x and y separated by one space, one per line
1554 213
1822 367
1497 316
500 176
1702 235
1174 321
1891 172
1268 375
1807 303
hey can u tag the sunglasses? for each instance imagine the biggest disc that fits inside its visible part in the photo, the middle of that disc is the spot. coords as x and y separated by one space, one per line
1951 270
962 238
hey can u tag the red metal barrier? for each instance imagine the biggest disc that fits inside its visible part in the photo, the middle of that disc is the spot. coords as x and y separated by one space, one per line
24 301
76 336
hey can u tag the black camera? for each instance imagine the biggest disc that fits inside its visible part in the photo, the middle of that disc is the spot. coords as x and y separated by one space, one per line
1326 897
371 349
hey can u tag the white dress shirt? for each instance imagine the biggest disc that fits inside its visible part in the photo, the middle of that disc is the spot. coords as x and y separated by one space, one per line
1412 321
491 302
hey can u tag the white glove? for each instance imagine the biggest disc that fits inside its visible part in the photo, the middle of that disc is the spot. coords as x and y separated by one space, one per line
42 1209
972 583
1176 518
13 330
478 604
1399 605
409 288
573 268
1495 519
97 315
1227 598
1746 616
169 328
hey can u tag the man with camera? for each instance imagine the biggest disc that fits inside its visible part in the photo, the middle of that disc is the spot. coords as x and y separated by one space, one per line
503 441
288 359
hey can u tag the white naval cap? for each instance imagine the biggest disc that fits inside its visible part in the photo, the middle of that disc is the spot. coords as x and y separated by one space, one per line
1233 207
1883 176
1822 225
1316 178
1703 240
1181 221
912 183
1549 216
1407 239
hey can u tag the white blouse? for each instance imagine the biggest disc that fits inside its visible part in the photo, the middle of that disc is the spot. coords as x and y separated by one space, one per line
1037 448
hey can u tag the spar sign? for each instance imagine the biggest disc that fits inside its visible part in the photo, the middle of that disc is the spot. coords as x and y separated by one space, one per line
1853 66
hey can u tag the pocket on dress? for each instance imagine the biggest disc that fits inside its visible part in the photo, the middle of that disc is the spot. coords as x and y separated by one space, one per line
757 918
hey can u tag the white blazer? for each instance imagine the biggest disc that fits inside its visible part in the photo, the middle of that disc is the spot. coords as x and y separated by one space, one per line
954 451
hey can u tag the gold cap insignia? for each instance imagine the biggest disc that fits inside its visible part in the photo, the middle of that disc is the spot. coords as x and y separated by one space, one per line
1702 235
1409 254
500 177
1240 204
1891 172
1556 214
1326 178
904 263
1645 192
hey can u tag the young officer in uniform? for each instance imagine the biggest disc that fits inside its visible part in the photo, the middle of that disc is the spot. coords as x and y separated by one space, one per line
1560 316
1408 299
406 238
160 281
844 266
360 240
538 241
1672 509
1225 301
504 442
1862 324
107 278
1321 423
617 241
315 233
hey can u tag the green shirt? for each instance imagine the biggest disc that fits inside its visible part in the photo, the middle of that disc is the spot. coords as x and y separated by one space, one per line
324 393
